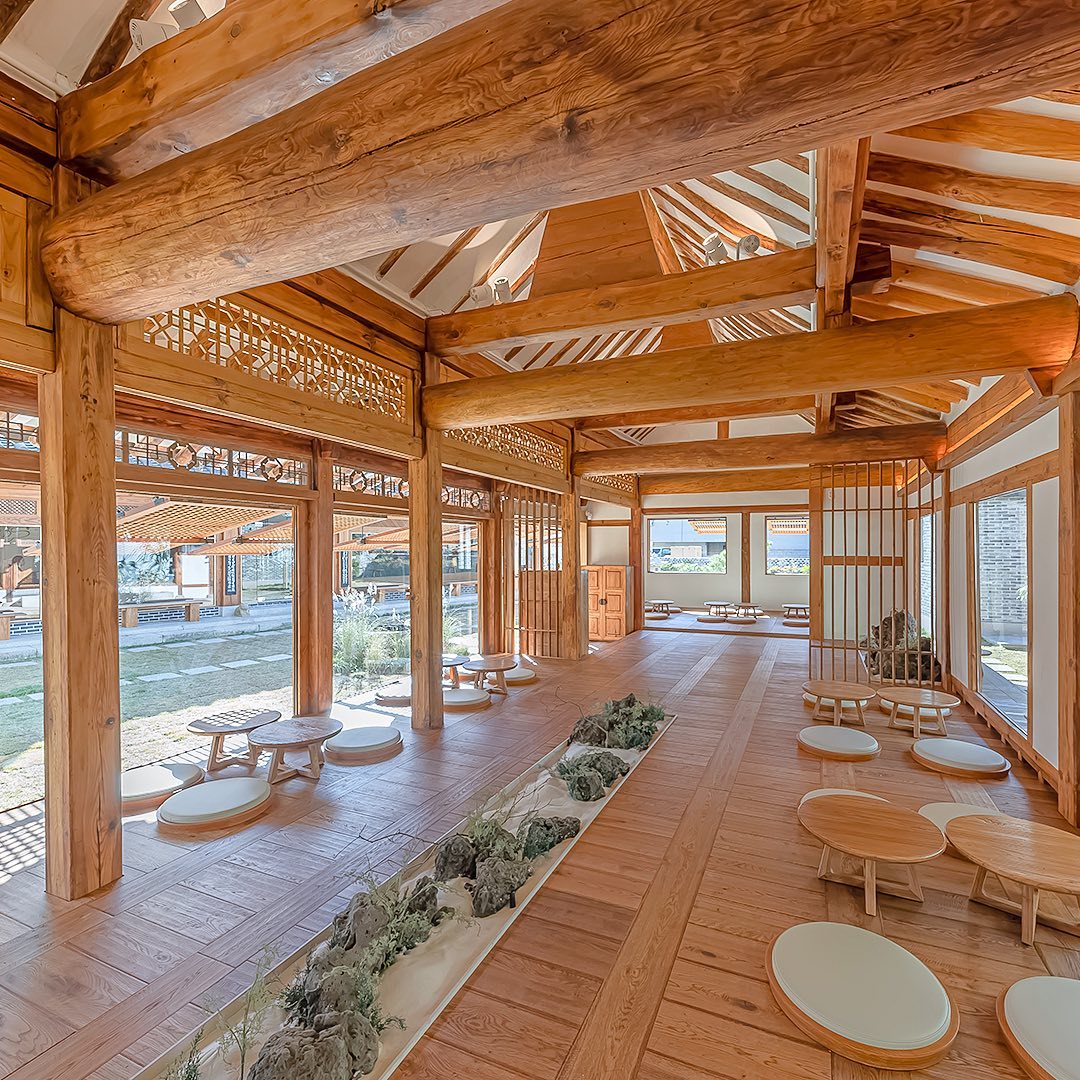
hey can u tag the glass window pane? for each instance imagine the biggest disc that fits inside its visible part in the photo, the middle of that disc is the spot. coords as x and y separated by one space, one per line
22 762
688 545
206 605
1001 530
787 545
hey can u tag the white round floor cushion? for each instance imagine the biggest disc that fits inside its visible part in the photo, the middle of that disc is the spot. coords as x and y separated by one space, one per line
861 986
838 740
519 674
955 754
465 697
392 693
926 714
1041 1014
363 740
941 813
156 781
218 800
818 792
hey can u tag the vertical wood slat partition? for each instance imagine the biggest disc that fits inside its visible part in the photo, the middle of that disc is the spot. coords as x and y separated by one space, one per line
533 540
867 564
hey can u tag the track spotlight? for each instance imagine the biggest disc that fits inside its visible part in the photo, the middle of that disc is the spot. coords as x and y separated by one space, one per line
503 295
482 295
716 250
747 246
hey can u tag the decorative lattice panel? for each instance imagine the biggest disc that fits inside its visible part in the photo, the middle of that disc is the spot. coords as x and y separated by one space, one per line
225 333
513 441
387 486
135 448
625 482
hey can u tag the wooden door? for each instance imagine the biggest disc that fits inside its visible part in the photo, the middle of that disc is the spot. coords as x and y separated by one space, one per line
607 602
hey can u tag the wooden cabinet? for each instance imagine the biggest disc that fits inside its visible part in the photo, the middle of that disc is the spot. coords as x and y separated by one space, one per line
608 600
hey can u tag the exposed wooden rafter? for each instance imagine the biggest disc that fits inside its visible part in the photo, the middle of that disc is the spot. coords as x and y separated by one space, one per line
238 213
973 342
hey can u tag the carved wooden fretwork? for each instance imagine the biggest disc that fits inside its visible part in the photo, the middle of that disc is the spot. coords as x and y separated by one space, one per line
388 486
514 441
626 482
222 332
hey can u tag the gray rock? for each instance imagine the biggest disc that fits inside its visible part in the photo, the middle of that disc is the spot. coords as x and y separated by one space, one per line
497 880
586 785
358 925
610 766
303 1054
424 899
455 857
360 1038
591 731
540 835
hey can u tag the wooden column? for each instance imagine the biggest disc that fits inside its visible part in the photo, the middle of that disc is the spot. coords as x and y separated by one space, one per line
572 633
945 646
314 600
817 564
1069 608
492 569
745 595
425 572
636 613
79 612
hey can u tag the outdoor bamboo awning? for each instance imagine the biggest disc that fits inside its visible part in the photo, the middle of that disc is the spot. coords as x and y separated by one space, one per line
184 523
397 538
716 526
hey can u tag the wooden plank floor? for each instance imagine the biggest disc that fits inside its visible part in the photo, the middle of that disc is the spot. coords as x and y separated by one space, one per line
643 954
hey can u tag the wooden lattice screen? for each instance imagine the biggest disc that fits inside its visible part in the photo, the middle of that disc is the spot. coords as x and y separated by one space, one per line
874 591
532 556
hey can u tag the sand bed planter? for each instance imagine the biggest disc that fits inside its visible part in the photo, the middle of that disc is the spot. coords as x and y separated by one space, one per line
217 804
956 758
861 995
423 981
1038 1019
362 745
150 785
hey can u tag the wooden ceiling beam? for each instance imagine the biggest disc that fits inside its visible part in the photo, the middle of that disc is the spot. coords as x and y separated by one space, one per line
973 290
752 202
735 480
503 116
889 443
1005 130
718 218
974 342
757 175
983 189
251 61
11 11
734 411
747 285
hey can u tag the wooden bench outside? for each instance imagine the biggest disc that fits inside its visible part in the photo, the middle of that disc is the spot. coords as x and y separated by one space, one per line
129 613
9 617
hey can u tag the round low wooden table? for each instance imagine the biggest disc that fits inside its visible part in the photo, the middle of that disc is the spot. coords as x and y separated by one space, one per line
838 693
719 609
300 733
1033 855
221 725
452 663
872 832
745 610
797 611
921 701
483 666
660 609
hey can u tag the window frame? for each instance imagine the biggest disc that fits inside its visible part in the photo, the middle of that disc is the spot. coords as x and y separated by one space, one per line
765 543
652 519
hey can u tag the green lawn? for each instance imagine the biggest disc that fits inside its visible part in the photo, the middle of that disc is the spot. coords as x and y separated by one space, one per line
153 714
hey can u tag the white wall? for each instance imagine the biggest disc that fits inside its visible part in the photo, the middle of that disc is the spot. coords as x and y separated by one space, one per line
609 545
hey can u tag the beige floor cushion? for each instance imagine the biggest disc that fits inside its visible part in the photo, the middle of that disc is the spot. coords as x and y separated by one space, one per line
520 674
398 692
217 801
860 986
941 813
841 743
150 782
1040 1019
955 756
467 697
908 712
818 792
360 742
